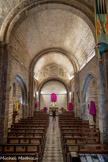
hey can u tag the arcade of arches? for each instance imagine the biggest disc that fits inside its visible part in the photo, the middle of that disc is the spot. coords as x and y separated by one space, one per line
49 46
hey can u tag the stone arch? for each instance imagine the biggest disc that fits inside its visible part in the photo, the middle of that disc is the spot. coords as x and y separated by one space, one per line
88 93
86 81
49 79
22 9
54 79
62 51
22 89
17 100
35 60
24 86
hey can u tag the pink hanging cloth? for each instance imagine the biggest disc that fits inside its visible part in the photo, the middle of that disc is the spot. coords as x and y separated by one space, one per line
45 109
36 104
53 97
70 106
92 108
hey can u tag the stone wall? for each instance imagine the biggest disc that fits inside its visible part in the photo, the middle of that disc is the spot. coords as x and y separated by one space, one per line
54 70
18 64
7 5
92 96
53 87
92 88
15 97
19 60
17 68
106 83
90 68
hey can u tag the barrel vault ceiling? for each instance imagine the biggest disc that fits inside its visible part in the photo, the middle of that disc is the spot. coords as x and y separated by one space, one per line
54 26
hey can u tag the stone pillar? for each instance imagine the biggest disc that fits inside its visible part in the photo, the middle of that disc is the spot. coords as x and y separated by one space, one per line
106 83
4 91
102 104
70 96
1 71
26 111
1 64
30 95
77 95
38 100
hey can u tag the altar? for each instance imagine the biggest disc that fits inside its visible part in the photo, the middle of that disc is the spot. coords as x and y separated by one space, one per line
53 108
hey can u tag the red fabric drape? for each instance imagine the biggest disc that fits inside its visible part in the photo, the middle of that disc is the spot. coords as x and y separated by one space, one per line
53 97
36 104
70 106
92 108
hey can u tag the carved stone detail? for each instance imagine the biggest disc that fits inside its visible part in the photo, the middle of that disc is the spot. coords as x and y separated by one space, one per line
52 70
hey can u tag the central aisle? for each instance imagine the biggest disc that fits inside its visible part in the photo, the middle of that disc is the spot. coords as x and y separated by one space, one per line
53 151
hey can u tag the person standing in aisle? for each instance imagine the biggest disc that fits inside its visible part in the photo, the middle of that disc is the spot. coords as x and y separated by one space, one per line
54 115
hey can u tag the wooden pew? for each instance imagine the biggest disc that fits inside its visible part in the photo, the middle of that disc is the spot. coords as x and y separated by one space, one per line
34 120
24 134
68 113
21 149
74 129
74 123
79 140
77 126
27 138
86 148
80 132
79 136
27 130
28 126
19 157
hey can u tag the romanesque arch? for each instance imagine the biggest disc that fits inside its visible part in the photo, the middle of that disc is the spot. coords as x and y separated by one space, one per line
59 81
17 100
89 92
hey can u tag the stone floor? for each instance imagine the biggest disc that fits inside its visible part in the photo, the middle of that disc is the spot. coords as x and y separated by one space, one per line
53 151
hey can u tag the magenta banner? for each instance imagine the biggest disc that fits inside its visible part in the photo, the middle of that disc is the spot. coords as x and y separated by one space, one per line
70 106
45 109
36 104
53 97
92 108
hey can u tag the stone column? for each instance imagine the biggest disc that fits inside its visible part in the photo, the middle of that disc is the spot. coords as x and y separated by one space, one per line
77 95
1 71
4 91
30 95
106 83
70 96
102 104
1 64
